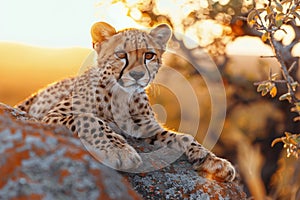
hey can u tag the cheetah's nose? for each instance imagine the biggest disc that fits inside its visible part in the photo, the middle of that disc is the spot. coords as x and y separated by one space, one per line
136 74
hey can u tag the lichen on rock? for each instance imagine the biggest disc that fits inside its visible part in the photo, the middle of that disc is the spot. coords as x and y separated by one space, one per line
39 161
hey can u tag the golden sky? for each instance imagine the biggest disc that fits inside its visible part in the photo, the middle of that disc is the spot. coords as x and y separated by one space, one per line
57 23
25 69
65 24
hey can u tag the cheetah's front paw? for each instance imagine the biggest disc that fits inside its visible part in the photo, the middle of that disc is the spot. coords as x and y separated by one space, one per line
119 157
125 158
215 167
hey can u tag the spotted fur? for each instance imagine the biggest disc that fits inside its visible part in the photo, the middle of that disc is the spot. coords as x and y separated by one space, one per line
109 100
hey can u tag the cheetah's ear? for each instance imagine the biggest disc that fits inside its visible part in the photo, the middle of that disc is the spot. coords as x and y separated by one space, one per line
161 34
101 31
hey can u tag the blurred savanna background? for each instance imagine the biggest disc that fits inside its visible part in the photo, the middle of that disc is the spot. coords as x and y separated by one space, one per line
44 41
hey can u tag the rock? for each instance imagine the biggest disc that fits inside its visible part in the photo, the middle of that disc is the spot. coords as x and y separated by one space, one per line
179 181
39 161
45 161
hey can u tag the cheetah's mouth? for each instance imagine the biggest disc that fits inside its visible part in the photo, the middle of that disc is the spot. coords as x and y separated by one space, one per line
131 80
125 82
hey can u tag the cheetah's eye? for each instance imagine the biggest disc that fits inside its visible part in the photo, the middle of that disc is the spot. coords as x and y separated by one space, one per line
149 55
121 54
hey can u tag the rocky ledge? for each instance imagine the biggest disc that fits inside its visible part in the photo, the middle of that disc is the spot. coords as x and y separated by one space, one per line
39 161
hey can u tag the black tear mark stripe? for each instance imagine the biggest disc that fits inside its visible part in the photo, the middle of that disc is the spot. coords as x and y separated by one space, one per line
123 69
136 48
127 62
147 47
148 71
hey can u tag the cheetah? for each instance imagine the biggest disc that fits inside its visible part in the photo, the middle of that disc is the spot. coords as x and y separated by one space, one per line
108 102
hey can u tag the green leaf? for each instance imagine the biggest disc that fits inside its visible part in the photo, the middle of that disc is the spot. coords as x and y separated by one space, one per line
278 23
261 87
264 92
278 6
251 18
286 96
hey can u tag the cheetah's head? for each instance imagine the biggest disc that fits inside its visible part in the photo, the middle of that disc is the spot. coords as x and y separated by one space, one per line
131 57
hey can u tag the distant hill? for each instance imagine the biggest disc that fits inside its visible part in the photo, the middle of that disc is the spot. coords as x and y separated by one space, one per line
24 69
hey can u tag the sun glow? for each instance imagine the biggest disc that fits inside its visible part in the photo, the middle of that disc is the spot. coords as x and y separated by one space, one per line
47 23
117 15
58 23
